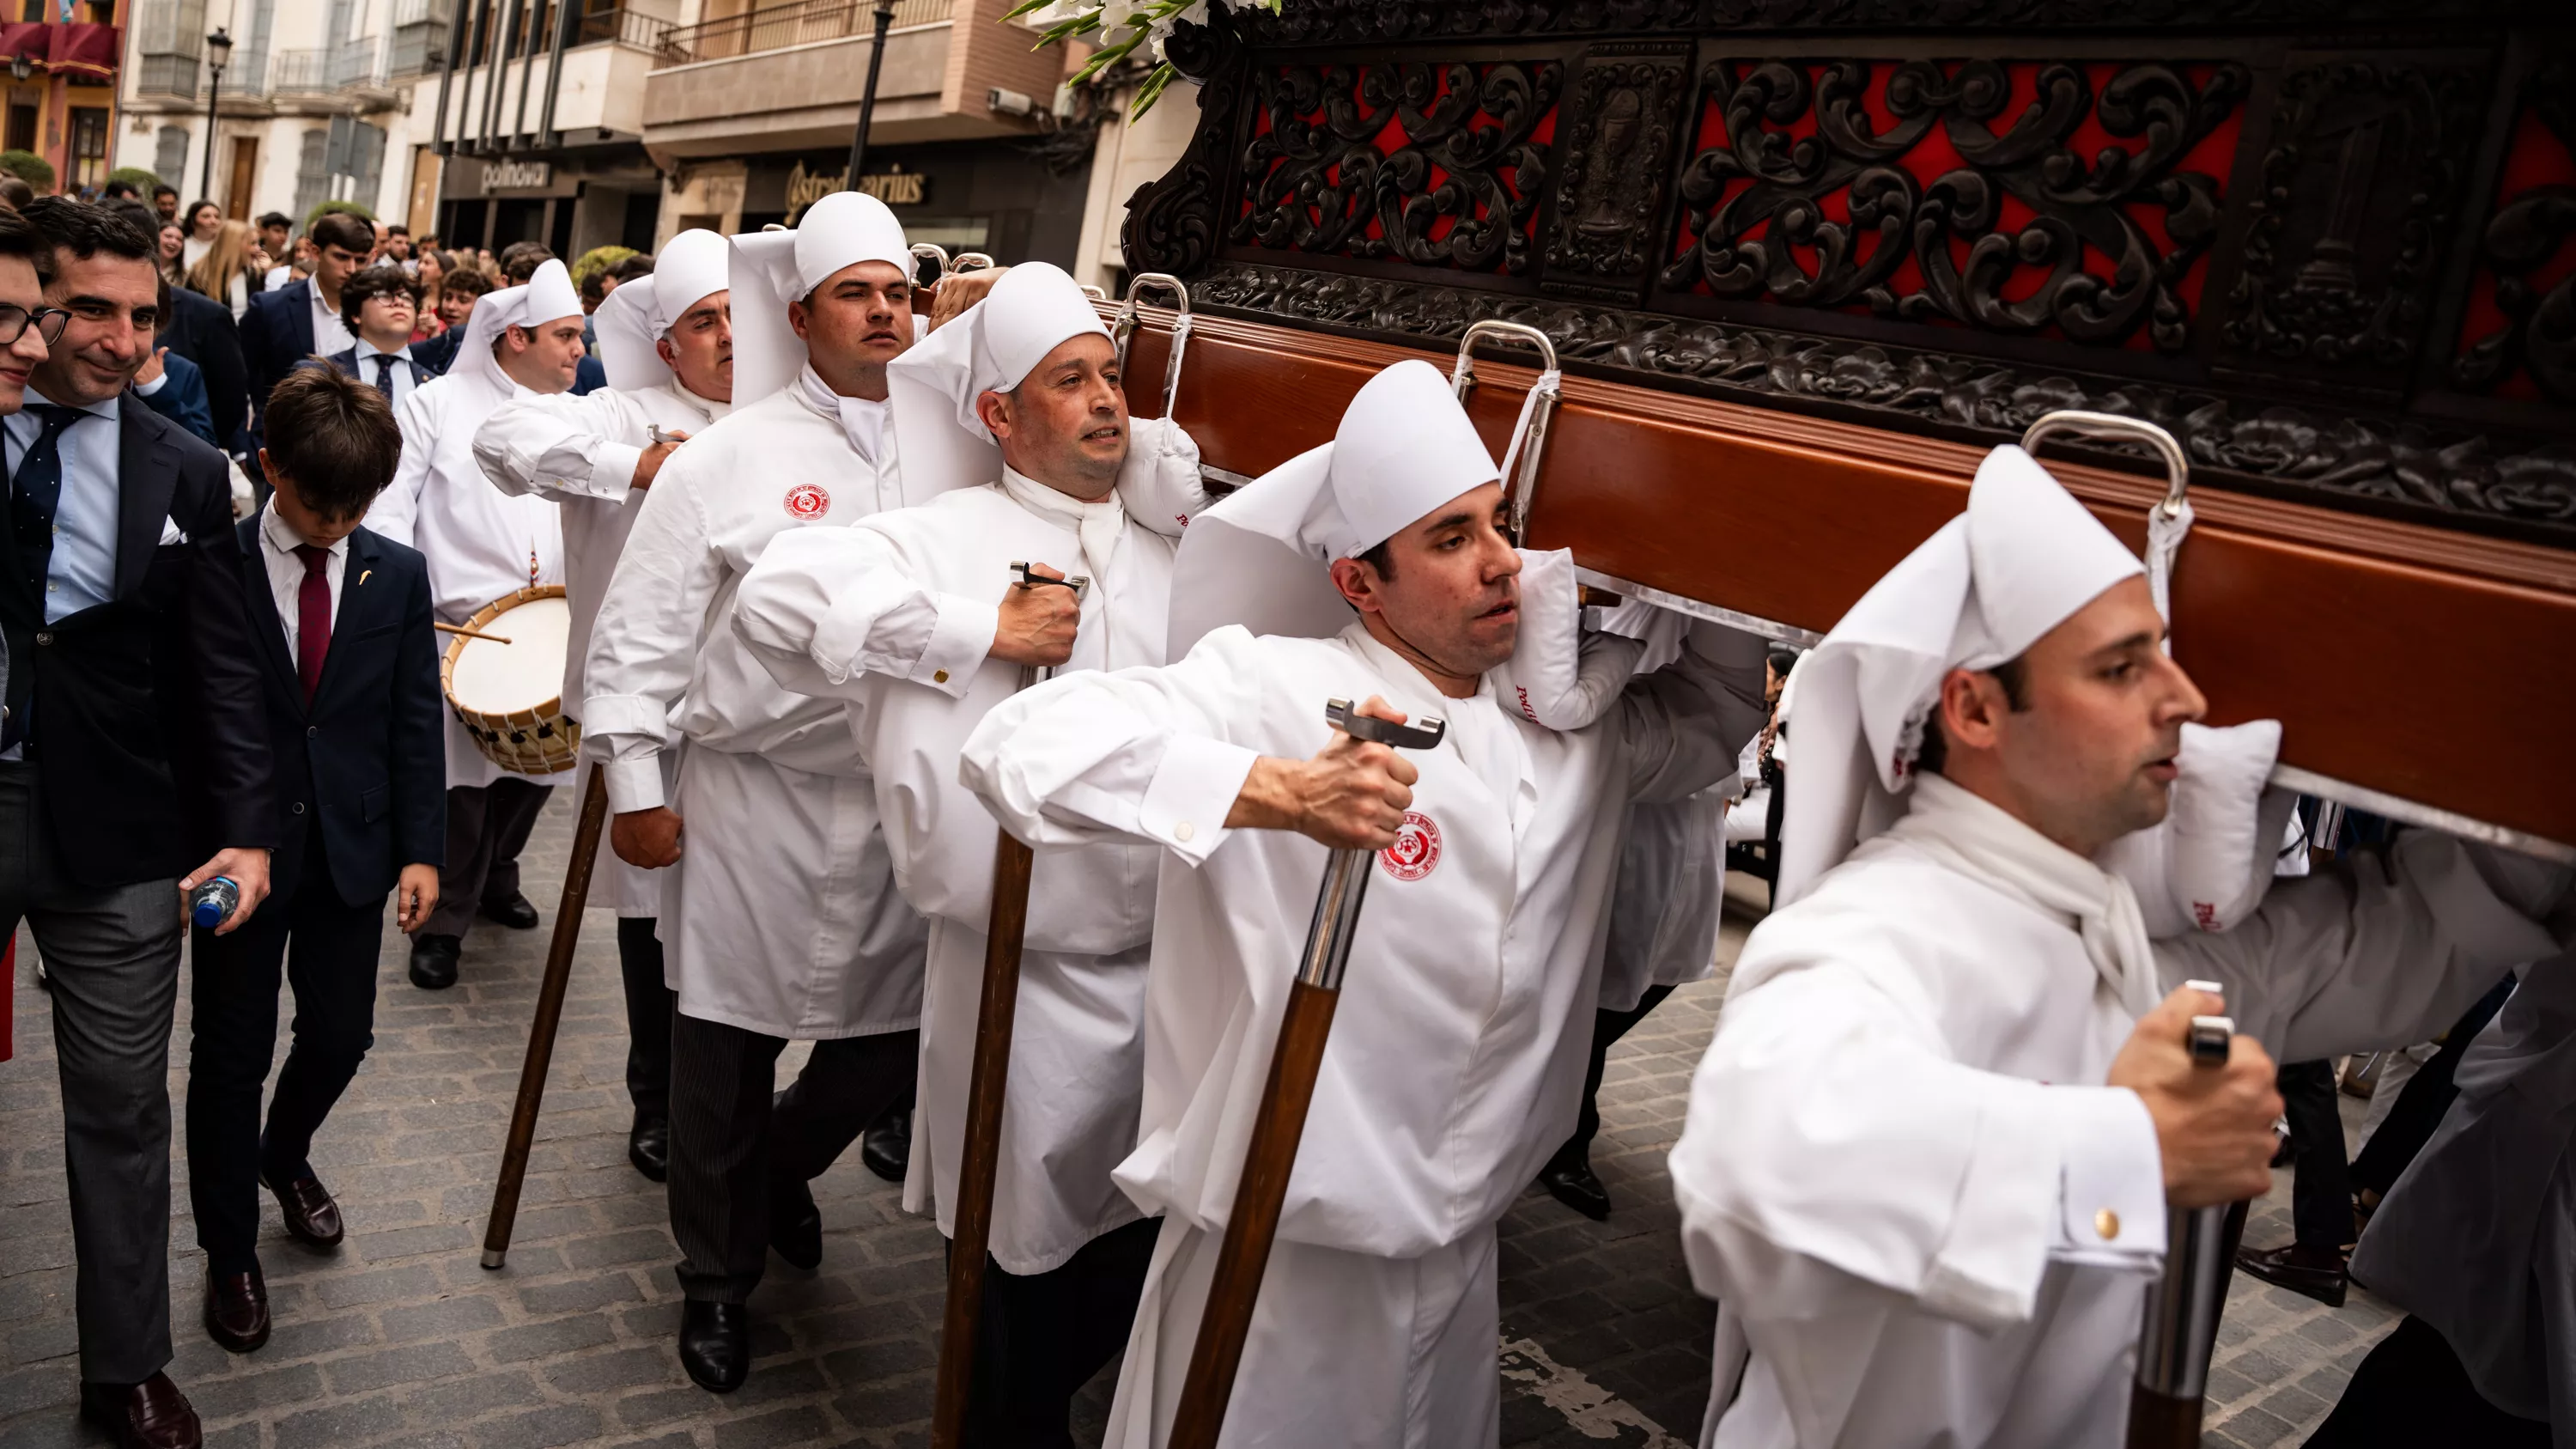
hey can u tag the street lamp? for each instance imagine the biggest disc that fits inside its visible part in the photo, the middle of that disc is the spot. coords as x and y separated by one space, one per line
868 97
219 49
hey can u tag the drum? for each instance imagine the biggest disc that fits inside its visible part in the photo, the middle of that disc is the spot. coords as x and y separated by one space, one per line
509 696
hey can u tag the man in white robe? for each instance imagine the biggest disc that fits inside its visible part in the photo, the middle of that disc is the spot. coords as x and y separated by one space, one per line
666 343
1458 1047
912 617
1931 1147
782 921
482 545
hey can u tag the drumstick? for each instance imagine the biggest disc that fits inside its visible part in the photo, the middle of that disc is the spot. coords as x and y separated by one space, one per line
468 633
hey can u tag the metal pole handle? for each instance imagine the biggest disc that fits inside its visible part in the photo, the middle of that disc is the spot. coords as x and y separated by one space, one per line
1529 443
2181 1320
1122 331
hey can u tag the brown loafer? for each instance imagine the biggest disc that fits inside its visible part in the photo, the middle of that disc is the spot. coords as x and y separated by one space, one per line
2311 1273
312 1218
150 1415
237 1310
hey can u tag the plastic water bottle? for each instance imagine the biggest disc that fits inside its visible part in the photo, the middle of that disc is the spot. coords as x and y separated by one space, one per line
210 904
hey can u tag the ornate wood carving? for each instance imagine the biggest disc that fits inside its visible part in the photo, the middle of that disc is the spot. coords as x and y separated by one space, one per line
1431 165
1757 198
1618 156
2358 189
2238 217
2528 253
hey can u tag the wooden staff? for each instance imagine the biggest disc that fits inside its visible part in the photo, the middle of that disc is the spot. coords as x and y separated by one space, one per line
2175 1342
986 1086
541 1031
1281 1121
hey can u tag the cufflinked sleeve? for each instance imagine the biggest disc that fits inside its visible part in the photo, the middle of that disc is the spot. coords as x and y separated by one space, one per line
563 445
823 607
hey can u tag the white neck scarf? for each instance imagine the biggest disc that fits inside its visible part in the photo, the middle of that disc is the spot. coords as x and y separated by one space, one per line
1976 838
1098 524
862 422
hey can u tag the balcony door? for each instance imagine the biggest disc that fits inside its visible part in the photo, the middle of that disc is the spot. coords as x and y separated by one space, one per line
245 175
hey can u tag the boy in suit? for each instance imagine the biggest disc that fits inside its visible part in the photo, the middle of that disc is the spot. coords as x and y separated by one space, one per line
349 669
379 306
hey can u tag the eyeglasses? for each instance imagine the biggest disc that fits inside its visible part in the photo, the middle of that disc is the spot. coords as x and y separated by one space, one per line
49 323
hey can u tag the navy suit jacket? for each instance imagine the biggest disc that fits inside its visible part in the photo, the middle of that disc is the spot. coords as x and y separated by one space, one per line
182 398
202 330
347 361
368 756
276 334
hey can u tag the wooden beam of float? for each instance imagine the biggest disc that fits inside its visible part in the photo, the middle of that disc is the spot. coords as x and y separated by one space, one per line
2418 663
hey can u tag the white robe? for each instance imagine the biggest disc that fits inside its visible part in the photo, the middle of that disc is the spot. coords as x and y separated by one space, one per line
1459 1044
1919 1211
481 543
2478 1236
580 452
783 918
897 615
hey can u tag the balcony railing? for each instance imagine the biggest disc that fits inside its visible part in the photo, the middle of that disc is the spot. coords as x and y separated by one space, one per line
357 62
298 72
167 75
776 27
626 27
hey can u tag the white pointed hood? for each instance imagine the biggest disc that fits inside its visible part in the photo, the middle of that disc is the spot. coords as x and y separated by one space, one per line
773 268
990 347
693 265
544 297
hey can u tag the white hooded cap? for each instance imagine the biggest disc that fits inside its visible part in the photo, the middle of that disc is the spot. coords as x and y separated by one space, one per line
773 268
544 297
694 265
1404 448
990 347
2022 560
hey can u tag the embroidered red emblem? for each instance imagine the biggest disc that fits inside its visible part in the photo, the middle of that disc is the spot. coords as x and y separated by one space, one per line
808 500
1416 849
2204 915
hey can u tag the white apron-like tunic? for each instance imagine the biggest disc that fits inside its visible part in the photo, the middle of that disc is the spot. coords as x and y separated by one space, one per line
2478 1237
481 544
897 615
783 918
1459 1045
580 453
1920 1213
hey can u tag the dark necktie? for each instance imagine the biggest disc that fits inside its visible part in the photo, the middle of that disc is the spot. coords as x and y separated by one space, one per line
37 492
312 617
384 362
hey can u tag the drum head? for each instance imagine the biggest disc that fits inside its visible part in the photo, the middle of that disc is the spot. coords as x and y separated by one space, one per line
525 674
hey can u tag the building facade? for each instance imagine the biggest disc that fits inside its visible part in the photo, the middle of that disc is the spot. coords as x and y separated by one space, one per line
62 61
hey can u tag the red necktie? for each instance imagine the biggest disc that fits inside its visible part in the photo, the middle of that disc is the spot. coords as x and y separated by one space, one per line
312 617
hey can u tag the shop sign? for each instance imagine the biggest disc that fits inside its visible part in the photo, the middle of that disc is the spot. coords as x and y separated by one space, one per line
517 176
894 188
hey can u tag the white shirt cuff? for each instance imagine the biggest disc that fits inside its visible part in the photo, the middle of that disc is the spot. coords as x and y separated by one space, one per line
960 641
1192 792
2111 1181
612 472
634 784
147 389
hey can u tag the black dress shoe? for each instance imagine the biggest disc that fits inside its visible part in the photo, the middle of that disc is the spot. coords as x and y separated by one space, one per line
648 1146
150 1415
2316 1273
1574 1185
433 961
715 1344
514 912
795 1224
312 1217
886 1147
237 1310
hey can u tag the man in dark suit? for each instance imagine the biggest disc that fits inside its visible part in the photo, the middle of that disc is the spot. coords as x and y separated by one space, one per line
358 728
201 330
302 318
134 738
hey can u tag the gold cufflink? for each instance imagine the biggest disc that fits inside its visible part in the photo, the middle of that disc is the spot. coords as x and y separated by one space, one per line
939 676
2107 1223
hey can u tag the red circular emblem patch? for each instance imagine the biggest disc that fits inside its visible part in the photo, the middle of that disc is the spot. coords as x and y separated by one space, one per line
1416 849
808 500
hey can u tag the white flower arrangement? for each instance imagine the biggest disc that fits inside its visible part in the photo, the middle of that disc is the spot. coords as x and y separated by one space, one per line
1119 27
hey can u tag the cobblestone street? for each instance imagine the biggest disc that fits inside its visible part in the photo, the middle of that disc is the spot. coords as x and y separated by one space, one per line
400 1338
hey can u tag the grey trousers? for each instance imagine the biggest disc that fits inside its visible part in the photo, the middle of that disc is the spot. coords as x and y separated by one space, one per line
113 958
487 827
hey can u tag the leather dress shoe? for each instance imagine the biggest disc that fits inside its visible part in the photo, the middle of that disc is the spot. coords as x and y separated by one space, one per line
150 1415
886 1147
312 1218
648 1146
795 1224
715 1344
237 1310
2316 1273
433 961
1574 1185
514 913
